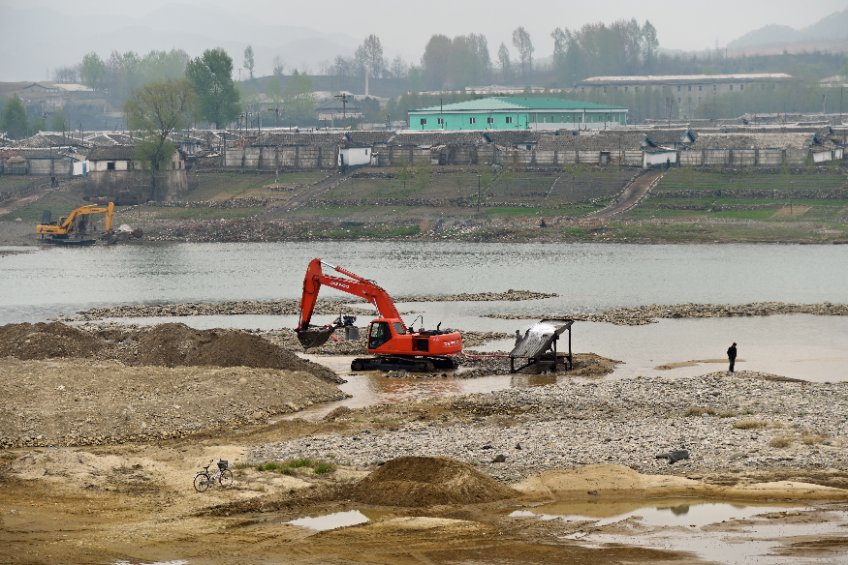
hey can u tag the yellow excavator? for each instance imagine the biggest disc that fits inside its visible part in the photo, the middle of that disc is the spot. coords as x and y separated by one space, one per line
74 228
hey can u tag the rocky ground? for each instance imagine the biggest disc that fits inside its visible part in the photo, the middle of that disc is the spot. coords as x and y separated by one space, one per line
103 428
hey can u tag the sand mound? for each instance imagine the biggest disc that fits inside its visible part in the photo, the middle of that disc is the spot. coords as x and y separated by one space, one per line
427 481
45 341
174 345
166 345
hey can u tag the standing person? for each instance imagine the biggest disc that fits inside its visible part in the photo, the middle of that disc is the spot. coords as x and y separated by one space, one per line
731 355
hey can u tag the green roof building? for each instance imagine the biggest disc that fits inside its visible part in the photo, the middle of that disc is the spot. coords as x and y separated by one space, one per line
508 113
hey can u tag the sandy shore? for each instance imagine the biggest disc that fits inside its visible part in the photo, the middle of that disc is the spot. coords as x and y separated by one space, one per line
482 464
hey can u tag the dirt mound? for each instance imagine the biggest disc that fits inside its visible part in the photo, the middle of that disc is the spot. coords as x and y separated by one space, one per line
174 345
45 341
428 481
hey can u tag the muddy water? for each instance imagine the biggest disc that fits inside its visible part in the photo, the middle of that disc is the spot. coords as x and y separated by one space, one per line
43 282
37 284
720 532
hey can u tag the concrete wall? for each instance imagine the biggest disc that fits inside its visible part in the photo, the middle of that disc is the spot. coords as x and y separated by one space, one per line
302 157
135 186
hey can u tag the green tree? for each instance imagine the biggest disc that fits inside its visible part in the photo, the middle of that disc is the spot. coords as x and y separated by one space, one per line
93 71
15 119
504 63
211 78
249 62
156 110
59 122
435 63
299 100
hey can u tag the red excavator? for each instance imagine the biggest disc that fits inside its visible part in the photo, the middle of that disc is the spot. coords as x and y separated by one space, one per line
395 346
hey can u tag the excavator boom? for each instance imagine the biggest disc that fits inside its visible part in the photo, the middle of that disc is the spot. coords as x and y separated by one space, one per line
354 284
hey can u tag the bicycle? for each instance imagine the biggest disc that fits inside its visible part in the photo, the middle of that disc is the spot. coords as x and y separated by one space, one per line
204 479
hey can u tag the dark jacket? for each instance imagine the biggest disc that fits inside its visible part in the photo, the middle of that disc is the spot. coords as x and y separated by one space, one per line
731 352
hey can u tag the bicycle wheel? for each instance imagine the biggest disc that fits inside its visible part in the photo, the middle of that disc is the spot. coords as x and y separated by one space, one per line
226 478
201 482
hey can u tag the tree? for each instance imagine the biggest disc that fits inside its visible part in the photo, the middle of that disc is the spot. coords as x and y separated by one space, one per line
435 63
66 74
299 100
650 44
369 57
399 69
15 119
504 63
521 40
211 78
248 60
59 122
156 110
93 71
279 67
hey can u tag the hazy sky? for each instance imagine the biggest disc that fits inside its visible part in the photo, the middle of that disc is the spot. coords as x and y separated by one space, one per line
405 26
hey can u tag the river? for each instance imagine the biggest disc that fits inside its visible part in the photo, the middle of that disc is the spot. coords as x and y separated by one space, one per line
37 284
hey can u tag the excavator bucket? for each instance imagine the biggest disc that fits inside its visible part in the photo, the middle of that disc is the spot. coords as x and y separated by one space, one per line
314 337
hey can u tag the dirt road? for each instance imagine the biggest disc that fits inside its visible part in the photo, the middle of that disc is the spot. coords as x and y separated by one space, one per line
632 194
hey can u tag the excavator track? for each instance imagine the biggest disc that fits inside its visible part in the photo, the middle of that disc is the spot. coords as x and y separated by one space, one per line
412 364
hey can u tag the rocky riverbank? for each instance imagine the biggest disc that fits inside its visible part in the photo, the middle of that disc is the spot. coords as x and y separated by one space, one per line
649 314
324 306
634 316
743 423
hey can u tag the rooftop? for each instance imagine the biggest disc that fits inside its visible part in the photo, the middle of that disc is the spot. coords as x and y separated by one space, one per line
509 103
627 79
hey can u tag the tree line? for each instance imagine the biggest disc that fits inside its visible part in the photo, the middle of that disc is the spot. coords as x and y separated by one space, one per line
623 47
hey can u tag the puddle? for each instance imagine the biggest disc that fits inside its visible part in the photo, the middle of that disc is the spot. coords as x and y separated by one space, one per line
666 513
721 532
331 521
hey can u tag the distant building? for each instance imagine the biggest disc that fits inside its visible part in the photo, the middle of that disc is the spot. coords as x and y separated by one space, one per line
689 91
509 113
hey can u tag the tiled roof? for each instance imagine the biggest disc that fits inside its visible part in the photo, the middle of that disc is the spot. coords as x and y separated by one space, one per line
437 138
112 153
295 138
600 141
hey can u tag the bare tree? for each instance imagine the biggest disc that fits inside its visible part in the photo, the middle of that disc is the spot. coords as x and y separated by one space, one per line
369 56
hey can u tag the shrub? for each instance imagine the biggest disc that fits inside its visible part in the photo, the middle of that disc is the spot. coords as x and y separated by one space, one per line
781 441
750 424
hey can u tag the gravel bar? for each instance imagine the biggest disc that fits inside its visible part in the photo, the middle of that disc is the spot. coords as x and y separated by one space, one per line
744 422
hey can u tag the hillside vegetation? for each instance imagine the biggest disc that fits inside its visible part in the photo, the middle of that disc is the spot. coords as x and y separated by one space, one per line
467 203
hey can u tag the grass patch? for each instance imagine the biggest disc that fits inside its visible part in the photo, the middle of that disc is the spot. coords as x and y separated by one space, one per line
813 438
223 186
290 466
782 441
752 424
202 213
59 203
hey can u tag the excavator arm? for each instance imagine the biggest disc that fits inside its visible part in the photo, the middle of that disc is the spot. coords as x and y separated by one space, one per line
353 284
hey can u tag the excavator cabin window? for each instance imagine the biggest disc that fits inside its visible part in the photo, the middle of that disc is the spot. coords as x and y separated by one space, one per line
379 334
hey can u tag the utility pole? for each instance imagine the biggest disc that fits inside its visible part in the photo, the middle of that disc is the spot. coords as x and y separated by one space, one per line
343 97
